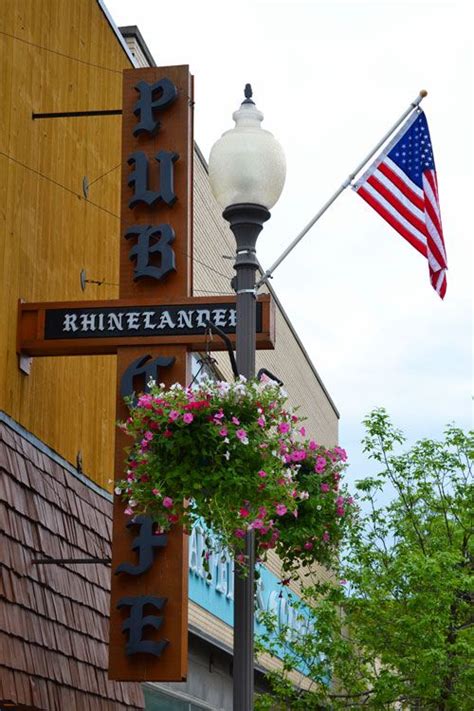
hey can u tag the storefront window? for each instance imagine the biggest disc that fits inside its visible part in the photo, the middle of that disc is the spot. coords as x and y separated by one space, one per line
202 368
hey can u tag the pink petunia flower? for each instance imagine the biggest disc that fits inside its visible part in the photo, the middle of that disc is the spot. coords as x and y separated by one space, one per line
145 401
174 414
242 436
325 488
298 455
239 533
281 509
243 512
167 502
155 492
235 420
283 427
320 464
261 421
262 473
341 453
223 432
187 418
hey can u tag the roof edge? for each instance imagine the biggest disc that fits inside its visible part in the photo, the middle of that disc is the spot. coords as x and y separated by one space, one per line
133 31
116 31
52 454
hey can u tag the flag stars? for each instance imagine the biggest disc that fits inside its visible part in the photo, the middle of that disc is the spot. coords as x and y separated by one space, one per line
413 153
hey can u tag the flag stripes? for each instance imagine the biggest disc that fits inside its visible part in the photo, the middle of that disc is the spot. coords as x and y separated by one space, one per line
401 186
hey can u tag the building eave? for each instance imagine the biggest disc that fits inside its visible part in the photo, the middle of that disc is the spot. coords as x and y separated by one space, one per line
116 31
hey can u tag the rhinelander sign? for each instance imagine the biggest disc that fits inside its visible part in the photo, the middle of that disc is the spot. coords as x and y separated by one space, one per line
101 327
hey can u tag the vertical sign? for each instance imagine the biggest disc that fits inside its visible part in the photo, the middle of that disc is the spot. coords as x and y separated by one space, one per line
149 597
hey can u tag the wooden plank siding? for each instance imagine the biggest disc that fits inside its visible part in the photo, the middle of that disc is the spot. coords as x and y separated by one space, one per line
48 232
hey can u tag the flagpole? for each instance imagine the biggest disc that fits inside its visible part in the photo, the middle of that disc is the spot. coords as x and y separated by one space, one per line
414 104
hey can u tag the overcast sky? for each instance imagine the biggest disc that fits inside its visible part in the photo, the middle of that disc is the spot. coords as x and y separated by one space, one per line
331 78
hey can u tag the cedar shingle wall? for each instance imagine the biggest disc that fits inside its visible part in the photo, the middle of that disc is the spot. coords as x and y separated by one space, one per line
53 618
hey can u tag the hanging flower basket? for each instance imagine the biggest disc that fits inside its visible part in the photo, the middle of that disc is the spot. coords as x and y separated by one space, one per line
232 454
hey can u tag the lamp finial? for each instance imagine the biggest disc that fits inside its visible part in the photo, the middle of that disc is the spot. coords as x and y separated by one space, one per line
248 94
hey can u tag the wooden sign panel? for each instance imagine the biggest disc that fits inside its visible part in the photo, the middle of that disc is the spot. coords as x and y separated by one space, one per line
101 327
149 598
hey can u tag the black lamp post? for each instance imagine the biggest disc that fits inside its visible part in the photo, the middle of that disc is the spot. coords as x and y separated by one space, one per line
247 173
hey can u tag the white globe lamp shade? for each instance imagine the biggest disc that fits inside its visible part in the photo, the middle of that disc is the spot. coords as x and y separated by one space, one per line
247 164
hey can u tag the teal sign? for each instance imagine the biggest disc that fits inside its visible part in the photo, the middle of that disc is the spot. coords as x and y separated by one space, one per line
215 591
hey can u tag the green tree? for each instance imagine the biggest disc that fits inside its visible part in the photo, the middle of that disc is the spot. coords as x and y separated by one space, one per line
400 627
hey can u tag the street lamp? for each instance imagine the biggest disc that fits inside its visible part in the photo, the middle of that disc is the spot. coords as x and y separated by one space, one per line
247 173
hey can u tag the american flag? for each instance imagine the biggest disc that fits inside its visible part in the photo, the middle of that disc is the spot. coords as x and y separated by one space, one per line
402 186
